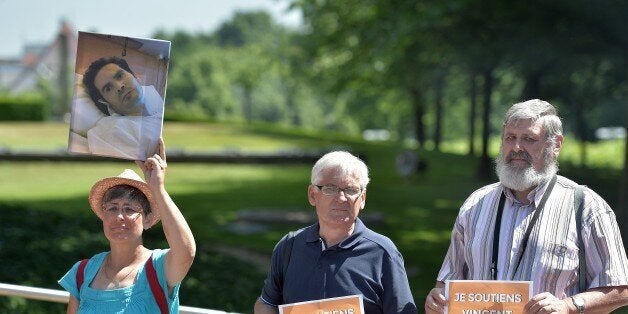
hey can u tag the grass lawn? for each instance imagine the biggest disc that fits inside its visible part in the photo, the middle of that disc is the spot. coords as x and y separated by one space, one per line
418 211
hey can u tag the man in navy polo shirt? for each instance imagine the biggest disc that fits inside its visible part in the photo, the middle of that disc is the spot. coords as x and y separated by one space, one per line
339 255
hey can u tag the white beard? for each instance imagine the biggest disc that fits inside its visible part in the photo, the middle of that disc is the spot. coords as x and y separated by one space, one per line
525 177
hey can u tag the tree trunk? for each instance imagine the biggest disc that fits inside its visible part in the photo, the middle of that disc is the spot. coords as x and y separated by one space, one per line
248 104
532 85
440 82
622 204
484 169
63 103
472 114
581 128
290 93
419 110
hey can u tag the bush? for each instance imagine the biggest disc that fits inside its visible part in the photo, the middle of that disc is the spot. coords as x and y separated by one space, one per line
23 108
38 247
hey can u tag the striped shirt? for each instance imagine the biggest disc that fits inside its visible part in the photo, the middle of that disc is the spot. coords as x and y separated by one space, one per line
550 260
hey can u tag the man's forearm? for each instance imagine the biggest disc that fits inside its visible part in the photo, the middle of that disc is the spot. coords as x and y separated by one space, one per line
602 300
263 308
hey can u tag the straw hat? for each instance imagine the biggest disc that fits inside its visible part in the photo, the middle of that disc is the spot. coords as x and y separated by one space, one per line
127 177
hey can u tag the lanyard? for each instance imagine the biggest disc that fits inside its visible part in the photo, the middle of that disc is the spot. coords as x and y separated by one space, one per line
524 242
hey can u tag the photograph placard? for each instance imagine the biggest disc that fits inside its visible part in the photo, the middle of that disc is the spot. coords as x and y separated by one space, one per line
119 91
487 296
352 304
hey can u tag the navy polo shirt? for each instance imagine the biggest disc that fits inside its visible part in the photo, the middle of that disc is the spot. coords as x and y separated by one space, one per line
365 263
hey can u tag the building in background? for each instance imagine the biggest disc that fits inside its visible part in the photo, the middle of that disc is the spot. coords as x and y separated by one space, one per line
50 65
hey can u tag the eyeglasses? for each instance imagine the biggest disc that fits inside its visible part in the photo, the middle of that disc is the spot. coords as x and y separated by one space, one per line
127 211
331 190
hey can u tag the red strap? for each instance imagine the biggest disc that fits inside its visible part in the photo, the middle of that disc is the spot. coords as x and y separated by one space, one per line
153 282
158 293
80 274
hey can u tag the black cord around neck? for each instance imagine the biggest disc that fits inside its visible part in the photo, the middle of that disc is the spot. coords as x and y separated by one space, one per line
524 242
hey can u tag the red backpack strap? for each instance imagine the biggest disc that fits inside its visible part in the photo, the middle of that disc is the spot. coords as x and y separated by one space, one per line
158 293
80 273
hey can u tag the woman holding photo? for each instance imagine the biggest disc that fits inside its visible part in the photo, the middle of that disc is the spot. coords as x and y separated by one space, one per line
130 277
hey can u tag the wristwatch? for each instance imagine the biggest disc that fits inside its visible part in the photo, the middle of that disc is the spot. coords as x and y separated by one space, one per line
579 303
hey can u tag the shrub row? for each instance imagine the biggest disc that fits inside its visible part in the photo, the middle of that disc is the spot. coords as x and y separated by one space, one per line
23 108
39 247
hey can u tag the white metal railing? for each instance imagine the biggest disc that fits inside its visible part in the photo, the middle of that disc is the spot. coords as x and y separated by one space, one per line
61 296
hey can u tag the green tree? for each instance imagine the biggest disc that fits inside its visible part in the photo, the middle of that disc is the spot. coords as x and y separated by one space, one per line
200 87
245 28
250 39
383 46
216 75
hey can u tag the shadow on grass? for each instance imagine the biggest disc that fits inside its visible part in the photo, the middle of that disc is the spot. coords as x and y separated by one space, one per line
419 212
38 247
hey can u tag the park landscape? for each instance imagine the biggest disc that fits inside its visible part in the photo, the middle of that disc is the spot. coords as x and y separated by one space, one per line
46 224
431 79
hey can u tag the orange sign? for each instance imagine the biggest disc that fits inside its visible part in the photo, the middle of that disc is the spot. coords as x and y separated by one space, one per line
487 296
343 305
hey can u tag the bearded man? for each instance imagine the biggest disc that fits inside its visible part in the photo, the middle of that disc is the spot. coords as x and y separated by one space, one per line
530 219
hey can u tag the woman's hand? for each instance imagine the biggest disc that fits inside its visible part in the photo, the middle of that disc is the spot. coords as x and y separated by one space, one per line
176 229
154 168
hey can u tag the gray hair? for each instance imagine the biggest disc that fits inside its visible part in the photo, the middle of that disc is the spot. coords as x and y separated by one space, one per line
536 110
346 163
127 192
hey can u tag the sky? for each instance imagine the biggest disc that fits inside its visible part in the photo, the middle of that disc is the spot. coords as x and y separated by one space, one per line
37 21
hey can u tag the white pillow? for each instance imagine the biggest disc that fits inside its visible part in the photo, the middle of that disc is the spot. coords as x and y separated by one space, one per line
84 113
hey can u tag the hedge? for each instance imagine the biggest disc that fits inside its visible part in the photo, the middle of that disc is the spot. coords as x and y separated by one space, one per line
23 108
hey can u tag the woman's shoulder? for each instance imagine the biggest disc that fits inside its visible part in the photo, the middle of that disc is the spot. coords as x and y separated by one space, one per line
96 259
158 254
94 262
